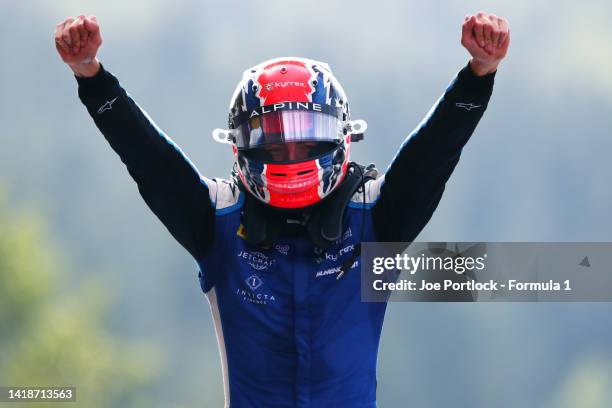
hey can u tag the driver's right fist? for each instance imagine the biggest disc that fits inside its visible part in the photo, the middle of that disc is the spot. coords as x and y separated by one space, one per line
77 40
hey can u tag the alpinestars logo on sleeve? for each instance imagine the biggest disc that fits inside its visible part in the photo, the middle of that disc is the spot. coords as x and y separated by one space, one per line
467 106
108 105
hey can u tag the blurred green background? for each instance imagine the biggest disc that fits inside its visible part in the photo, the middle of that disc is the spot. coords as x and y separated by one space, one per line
95 293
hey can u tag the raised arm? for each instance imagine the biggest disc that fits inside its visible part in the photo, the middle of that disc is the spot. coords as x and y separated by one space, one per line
415 180
167 180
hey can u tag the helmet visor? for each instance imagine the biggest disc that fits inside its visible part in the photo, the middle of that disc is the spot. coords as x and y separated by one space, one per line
288 126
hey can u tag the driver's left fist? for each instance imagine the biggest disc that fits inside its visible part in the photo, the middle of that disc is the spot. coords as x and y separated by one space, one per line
486 37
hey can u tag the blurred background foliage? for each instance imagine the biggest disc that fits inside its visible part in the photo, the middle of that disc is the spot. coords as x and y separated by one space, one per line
125 296
53 331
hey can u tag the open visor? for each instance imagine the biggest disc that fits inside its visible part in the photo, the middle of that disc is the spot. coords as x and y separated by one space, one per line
288 126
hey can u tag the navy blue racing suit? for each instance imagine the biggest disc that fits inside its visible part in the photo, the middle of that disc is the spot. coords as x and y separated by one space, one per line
290 334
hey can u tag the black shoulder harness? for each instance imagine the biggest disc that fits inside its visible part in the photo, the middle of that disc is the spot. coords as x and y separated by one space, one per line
264 224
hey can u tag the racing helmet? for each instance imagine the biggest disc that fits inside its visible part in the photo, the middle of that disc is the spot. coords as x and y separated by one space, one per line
290 130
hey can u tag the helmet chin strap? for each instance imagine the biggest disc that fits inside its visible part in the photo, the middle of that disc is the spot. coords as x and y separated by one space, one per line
323 221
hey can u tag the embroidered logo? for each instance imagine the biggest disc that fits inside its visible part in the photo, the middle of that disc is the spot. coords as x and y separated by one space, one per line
258 261
283 249
467 106
241 232
254 282
108 105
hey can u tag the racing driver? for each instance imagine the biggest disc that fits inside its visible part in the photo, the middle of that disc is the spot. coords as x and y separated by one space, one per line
278 242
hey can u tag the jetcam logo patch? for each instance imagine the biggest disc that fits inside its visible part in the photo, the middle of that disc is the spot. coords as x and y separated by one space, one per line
258 260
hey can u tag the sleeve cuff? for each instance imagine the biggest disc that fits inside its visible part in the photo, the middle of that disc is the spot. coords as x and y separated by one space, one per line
100 84
481 83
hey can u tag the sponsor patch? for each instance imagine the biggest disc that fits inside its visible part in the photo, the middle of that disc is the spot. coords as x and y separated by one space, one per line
241 232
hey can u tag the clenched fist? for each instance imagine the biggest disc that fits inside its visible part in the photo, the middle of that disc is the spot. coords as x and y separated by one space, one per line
486 37
77 41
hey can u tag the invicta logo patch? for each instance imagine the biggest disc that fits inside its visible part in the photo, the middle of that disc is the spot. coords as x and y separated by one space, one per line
241 232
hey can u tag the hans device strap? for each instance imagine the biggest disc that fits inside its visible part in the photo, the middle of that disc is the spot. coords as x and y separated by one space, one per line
264 224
